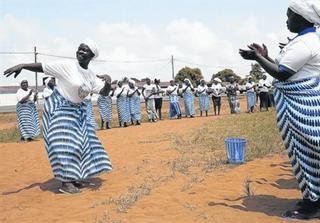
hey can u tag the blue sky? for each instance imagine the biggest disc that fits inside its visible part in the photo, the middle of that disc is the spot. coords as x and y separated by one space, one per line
203 33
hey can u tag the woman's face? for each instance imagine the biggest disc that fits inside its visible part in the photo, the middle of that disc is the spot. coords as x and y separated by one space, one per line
24 85
84 54
293 21
120 84
202 82
171 83
186 82
131 85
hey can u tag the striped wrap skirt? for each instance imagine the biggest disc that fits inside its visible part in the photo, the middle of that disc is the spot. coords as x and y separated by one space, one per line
135 108
90 113
73 148
28 120
123 109
251 99
298 112
188 98
105 107
174 109
204 102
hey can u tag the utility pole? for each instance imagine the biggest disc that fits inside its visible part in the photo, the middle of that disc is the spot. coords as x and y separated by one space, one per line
172 67
35 60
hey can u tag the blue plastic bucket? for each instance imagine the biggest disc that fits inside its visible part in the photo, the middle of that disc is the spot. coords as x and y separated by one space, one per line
236 149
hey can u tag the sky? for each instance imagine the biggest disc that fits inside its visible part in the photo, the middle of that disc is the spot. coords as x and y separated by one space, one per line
137 38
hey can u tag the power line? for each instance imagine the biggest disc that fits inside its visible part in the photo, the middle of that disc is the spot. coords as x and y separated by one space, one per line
16 52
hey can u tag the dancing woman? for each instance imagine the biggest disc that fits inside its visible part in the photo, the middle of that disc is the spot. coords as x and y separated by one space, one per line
297 98
105 109
27 114
134 102
202 92
174 109
216 91
74 150
148 92
187 92
251 95
122 105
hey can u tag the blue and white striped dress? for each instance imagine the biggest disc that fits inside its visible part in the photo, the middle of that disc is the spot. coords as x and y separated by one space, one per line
123 107
203 98
28 119
135 107
105 107
298 112
90 115
74 150
188 97
251 99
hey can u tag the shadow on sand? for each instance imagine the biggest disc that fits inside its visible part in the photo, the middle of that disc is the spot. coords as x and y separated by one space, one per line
267 204
53 186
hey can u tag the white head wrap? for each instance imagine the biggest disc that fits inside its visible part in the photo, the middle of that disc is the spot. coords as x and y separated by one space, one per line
217 79
308 9
93 47
46 81
132 81
187 79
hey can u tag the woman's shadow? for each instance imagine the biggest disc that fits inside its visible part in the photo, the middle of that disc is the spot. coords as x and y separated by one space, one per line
53 186
267 204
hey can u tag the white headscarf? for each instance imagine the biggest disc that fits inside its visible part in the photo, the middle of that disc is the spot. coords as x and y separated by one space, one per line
46 81
186 79
93 47
308 9
217 79
132 81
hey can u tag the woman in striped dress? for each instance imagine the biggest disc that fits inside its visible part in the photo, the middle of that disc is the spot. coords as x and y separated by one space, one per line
134 102
231 90
297 97
74 150
90 112
174 109
122 105
27 114
251 95
202 92
188 97
105 109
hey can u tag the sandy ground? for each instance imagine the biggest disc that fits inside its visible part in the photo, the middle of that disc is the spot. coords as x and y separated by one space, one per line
142 186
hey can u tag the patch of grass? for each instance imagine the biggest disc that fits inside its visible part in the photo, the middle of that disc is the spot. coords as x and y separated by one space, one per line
203 150
9 135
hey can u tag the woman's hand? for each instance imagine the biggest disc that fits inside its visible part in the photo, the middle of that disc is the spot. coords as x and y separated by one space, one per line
263 50
105 77
251 54
16 70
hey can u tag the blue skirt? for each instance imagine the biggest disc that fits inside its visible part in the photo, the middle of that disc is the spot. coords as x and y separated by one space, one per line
174 109
105 107
28 120
135 108
204 102
123 109
189 103
74 150
90 113
251 99
298 112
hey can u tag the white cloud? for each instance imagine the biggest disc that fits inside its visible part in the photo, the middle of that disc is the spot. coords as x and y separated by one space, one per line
190 41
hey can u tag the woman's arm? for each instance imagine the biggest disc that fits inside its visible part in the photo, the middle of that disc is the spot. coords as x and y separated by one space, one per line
26 98
270 67
35 67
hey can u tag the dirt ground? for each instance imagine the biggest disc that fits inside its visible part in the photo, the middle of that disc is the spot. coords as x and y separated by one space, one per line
143 186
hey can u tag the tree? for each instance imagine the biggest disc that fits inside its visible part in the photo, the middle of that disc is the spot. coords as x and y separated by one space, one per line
225 74
256 72
193 74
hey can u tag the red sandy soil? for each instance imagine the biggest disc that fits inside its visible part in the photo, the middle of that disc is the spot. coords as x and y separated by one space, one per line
141 158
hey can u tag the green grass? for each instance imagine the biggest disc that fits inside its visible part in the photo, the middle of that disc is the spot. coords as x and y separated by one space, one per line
204 148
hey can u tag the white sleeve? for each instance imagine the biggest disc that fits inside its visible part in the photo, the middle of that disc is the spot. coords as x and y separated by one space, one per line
296 56
56 69
21 94
97 85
